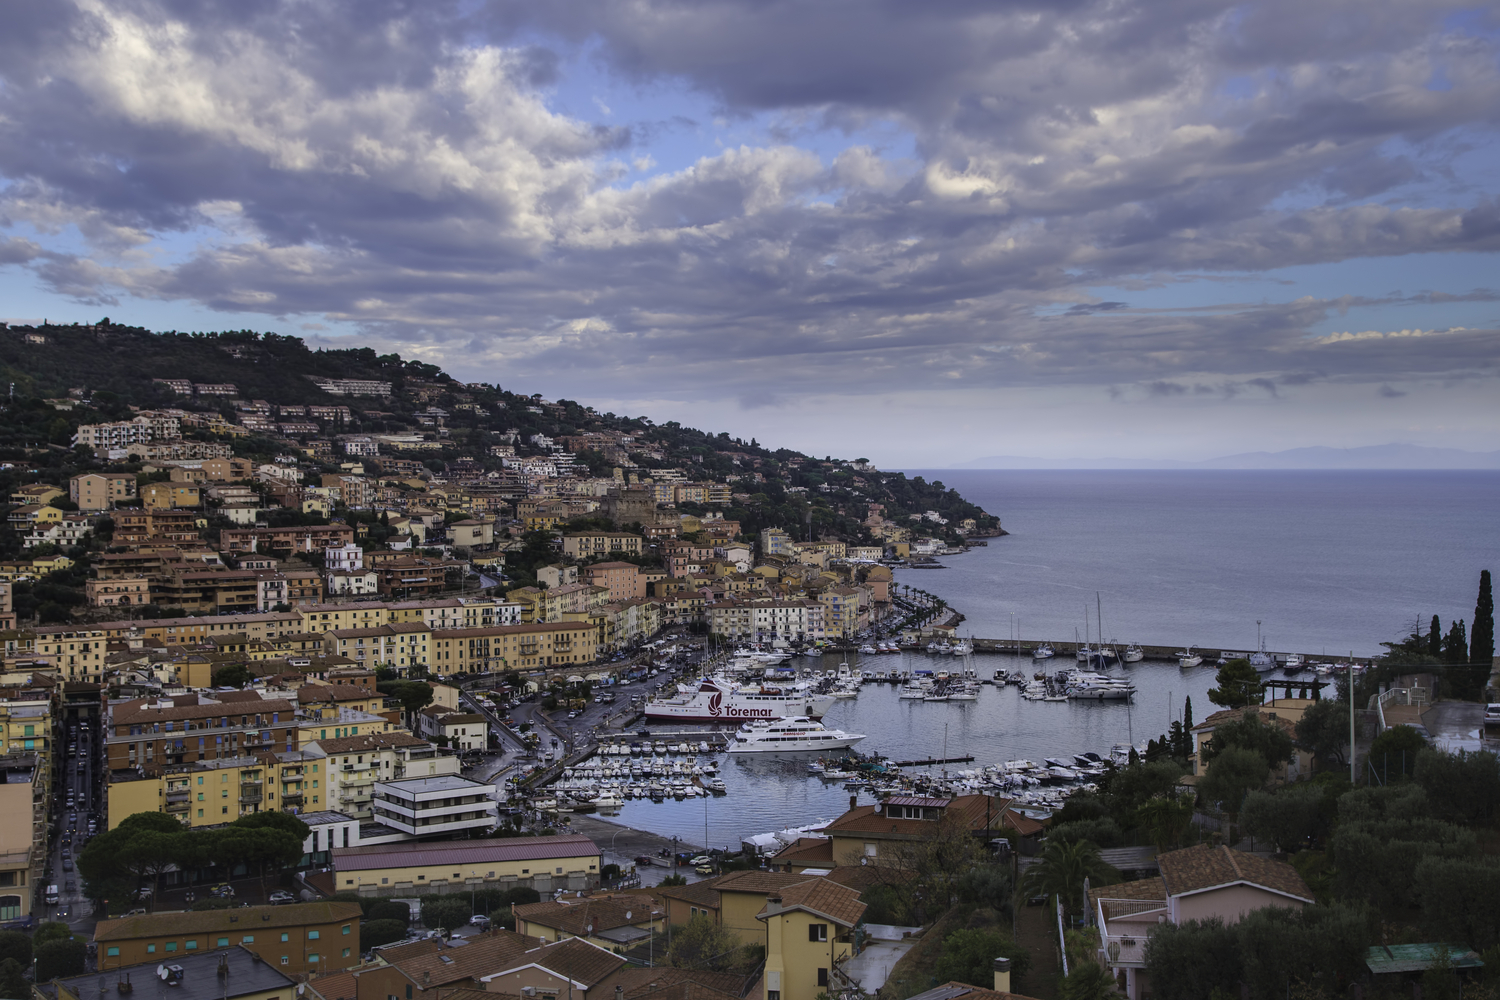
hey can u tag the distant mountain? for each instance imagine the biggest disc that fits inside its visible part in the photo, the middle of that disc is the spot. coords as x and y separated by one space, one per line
1380 456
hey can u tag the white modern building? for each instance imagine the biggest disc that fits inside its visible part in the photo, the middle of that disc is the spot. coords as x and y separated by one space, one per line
441 804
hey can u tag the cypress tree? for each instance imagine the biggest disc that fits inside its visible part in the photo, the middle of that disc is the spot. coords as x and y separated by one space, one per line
1435 638
1187 716
1482 642
1456 646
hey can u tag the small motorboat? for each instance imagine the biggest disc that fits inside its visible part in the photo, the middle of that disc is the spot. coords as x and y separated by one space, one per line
1188 657
1134 654
1042 652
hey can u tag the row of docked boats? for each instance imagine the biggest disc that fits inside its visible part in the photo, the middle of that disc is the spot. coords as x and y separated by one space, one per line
928 687
645 748
1070 684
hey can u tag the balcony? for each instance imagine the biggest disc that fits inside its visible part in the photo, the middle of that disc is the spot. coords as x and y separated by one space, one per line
1125 924
251 793
179 805
292 798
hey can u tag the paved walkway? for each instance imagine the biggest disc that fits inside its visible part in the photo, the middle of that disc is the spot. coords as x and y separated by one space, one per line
885 946
1455 725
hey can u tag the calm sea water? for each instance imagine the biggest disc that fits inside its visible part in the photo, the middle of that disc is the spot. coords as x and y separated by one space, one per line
1334 561
1328 561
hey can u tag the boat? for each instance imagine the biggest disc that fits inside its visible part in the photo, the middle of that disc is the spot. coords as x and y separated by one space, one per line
716 785
1260 659
1134 654
717 700
1086 686
1043 652
963 647
1188 657
1294 662
796 733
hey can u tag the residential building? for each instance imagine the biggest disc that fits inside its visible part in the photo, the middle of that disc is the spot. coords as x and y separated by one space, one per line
142 429
809 932
186 728
208 793
562 861
571 966
24 800
95 491
775 542
123 591
231 971
841 616
331 617
623 580
352 582
295 939
608 921
1196 883
439 805
401 646
514 647
170 496
767 619
356 763
285 541
882 832
601 543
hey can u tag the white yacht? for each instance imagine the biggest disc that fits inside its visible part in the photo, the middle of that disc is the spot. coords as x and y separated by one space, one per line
1088 686
1134 653
1042 652
791 734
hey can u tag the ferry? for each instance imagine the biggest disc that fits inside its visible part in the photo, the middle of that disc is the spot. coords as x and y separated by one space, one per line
718 700
782 735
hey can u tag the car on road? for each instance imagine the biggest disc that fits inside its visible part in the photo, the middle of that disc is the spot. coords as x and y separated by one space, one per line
704 869
222 891
643 859
702 859
67 864
481 921
282 896
1492 714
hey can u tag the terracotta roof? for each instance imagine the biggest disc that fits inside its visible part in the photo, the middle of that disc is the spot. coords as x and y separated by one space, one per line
681 984
463 852
368 742
336 986
867 820
481 956
573 959
603 912
208 921
821 897
806 850
1203 867
757 881
1144 889
861 877
332 692
1222 716
698 893
963 991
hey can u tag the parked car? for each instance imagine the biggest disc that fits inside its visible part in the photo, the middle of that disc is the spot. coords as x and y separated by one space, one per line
704 869
702 859
481 921
282 896
1492 714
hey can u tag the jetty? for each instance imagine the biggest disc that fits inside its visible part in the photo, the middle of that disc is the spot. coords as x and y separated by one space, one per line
932 760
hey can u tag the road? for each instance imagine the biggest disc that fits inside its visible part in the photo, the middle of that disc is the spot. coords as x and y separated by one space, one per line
76 800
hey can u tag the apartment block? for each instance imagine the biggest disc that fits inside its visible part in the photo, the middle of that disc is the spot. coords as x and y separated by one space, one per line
94 491
428 806
184 729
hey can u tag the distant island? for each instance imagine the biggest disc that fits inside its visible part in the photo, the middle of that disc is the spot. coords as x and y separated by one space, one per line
1380 456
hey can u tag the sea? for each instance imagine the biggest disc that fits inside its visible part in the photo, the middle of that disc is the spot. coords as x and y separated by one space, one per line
1328 563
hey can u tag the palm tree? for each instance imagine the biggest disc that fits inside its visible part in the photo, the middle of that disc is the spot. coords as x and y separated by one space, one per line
1062 869
1166 819
1088 981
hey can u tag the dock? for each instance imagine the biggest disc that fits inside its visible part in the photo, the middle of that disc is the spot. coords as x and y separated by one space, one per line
933 760
1065 647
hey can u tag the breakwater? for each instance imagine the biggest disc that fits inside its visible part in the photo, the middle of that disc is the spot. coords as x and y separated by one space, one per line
1066 648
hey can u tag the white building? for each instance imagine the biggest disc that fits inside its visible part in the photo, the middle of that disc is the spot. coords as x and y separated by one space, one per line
442 804
344 557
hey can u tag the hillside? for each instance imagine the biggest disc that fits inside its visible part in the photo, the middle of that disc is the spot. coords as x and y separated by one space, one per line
64 376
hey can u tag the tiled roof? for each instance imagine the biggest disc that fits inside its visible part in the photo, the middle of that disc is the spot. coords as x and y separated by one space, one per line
336 986
757 881
806 850
332 692
602 912
681 984
368 742
819 896
463 852
698 893
1203 867
1145 889
573 959
133 714
480 957
963 991
866 820
1226 715
207 921
395 953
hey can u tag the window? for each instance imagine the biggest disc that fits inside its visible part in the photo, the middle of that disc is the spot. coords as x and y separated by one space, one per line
151 949
312 935
200 813
191 945
346 928
286 937
870 850
346 953
224 811
822 977
384 881
112 952
248 939
283 957
817 932
171 945
223 943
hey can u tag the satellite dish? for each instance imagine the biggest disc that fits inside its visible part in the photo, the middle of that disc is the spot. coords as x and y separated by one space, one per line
627 914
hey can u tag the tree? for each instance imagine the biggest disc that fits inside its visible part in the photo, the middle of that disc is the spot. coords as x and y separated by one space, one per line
1061 871
1238 685
1482 640
14 944
1291 817
1458 900
1394 752
1461 787
969 956
13 979
1313 945
446 911
673 880
1456 645
1087 981
50 930
1193 960
1250 733
933 865
1323 731
1435 637
388 909
1234 773
59 959
374 933
235 675
702 944
1166 819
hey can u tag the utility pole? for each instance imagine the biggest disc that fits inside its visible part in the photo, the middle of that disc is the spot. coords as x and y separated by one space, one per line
1351 716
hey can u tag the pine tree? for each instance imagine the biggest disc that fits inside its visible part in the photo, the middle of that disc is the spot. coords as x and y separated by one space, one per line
1187 715
1456 646
1482 642
1435 638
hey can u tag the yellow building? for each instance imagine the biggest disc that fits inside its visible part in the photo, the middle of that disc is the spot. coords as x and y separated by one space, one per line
511 647
568 860
77 653
23 833
298 938
354 762
168 496
26 722
213 792
609 921
809 931
401 646
330 617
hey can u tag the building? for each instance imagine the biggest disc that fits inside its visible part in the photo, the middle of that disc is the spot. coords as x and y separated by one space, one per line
170 496
765 619
184 729
601 543
230 971
1196 883
355 763
620 921
775 542
130 590
563 861
841 615
142 429
401 646
285 541
880 833
572 966
512 647
294 939
444 804
809 931
623 580
24 799
213 792
94 491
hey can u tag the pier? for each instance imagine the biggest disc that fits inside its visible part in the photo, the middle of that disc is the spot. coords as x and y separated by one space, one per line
1154 652
932 760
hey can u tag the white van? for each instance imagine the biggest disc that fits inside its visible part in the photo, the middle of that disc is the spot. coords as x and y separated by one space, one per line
51 896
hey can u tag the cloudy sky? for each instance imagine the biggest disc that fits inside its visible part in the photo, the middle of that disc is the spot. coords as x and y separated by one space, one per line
916 232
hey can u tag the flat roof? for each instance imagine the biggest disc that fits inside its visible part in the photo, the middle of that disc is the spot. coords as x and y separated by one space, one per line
200 979
462 852
436 783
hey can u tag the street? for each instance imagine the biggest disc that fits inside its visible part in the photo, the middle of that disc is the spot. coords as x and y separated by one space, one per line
76 805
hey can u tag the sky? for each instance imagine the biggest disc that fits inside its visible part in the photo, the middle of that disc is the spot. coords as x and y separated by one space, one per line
917 233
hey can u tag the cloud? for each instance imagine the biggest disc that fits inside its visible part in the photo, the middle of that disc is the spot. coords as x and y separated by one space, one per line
405 169
1388 392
